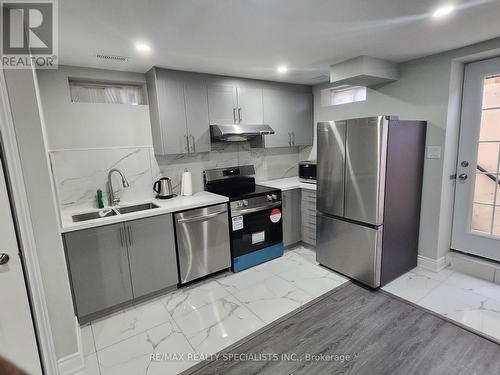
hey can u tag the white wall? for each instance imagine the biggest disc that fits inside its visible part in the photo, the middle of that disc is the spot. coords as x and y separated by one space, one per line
28 123
428 89
90 125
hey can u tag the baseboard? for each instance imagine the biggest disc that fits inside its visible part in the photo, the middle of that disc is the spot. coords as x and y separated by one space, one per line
73 363
475 266
430 264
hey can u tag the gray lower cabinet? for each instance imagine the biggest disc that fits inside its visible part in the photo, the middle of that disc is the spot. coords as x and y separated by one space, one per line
299 216
151 252
291 217
99 268
308 210
115 264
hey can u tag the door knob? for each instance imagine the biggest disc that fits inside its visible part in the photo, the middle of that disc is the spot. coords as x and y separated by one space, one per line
463 176
4 258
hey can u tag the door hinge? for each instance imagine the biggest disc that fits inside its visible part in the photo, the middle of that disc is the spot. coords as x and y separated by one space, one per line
453 176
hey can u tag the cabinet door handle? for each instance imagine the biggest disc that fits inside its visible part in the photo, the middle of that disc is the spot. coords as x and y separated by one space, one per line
193 149
129 230
187 142
239 114
234 115
293 133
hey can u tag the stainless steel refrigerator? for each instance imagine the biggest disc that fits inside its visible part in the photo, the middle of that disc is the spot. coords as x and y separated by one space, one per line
369 176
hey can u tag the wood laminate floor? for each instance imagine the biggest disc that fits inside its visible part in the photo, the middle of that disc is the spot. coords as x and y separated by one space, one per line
379 333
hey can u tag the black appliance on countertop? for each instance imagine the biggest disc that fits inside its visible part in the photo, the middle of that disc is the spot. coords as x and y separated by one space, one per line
256 231
307 171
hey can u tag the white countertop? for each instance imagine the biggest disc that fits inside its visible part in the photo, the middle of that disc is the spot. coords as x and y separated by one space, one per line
288 183
166 206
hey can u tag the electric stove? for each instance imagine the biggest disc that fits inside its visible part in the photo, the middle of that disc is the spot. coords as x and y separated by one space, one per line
256 230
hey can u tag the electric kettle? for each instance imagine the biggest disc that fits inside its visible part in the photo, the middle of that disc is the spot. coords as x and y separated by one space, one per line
163 188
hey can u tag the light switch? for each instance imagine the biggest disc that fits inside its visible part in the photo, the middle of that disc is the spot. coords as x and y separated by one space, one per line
433 152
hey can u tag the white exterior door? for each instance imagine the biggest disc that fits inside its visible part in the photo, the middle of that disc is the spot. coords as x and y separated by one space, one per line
17 335
476 222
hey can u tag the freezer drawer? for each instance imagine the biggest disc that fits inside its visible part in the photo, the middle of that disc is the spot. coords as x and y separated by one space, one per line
202 241
350 249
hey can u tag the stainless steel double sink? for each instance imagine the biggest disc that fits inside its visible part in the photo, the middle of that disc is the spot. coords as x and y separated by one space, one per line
99 214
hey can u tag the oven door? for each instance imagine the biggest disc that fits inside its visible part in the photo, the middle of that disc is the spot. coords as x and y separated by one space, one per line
254 229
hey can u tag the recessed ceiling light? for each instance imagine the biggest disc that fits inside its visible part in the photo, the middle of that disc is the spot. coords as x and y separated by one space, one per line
443 11
282 69
142 47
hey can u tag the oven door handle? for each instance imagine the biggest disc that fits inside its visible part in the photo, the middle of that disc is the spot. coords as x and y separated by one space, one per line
256 209
201 218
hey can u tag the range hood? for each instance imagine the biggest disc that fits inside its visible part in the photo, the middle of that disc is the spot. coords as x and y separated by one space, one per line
239 133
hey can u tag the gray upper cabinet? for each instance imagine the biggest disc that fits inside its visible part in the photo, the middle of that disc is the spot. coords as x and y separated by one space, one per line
183 105
222 105
289 113
151 251
195 96
250 106
235 105
179 113
99 268
172 111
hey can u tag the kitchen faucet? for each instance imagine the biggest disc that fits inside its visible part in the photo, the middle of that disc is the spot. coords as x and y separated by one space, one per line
113 201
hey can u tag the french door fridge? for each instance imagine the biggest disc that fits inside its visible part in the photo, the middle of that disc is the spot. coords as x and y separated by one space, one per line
369 176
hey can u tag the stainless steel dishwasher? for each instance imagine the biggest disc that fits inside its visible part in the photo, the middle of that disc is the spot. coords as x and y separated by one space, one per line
202 241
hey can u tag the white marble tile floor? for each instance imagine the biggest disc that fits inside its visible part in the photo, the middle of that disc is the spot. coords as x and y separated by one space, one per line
465 299
203 318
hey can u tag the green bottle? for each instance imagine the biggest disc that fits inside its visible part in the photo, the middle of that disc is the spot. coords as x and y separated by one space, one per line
100 203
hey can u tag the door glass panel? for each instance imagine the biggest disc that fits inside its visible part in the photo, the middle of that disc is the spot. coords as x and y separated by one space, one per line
486 191
496 222
490 118
482 215
487 157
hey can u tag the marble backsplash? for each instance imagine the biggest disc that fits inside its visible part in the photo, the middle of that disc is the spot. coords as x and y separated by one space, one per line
269 163
79 173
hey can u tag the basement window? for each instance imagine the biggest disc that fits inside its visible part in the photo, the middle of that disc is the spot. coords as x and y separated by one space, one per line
342 95
110 93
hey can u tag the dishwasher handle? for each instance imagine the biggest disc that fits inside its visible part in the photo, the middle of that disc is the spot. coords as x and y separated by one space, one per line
201 218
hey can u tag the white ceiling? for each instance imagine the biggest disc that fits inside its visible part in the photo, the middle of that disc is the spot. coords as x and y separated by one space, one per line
249 38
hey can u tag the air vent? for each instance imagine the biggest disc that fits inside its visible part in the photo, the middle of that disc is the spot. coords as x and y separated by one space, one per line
112 57
322 77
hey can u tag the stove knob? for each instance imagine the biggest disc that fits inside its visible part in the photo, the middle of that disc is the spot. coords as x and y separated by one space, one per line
239 204
245 203
269 197
275 197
